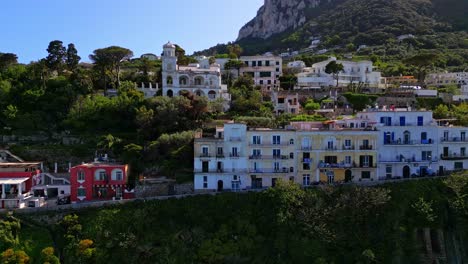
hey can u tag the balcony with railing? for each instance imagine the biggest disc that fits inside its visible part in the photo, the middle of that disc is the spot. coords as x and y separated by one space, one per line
330 148
343 165
221 171
269 171
454 140
366 147
409 142
307 160
234 155
350 147
205 155
454 156
269 157
269 144
403 159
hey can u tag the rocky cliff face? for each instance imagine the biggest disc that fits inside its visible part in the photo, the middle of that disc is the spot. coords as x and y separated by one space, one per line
276 16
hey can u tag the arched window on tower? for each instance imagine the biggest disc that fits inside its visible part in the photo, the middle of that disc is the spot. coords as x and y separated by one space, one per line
199 80
169 80
183 80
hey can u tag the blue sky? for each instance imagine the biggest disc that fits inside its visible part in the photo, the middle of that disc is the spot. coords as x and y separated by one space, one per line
140 25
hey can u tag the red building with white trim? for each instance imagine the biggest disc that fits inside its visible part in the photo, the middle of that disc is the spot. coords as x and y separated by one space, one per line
99 181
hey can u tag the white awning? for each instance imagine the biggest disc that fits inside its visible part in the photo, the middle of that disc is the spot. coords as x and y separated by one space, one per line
12 180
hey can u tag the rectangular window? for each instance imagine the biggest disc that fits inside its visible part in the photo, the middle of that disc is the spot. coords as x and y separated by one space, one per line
276 140
463 152
420 121
235 152
426 155
446 135
277 63
219 151
265 74
118 176
330 145
306 143
347 143
348 160
276 166
306 180
267 63
205 182
365 161
81 192
246 63
463 136
118 192
256 140
254 64
260 63
365 144
100 176
402 121
257 153
205 166
205 152
388 171
331 159
306 166
458 166
81 175
277 153
365 175
386 120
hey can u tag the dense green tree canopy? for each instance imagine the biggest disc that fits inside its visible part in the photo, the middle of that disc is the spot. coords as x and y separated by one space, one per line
110 60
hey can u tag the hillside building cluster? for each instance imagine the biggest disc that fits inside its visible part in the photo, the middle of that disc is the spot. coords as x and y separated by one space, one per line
375 145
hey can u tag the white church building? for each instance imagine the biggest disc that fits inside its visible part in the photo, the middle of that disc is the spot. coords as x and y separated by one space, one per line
199 78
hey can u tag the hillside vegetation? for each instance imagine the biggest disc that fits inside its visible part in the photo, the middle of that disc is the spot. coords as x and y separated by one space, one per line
350 224
438 26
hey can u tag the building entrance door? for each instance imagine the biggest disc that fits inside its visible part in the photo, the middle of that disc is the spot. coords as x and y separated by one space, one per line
406 172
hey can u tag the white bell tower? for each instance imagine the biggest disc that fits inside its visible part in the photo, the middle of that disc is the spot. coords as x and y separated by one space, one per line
169 59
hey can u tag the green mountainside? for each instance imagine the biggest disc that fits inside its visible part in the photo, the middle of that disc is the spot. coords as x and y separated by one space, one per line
344 25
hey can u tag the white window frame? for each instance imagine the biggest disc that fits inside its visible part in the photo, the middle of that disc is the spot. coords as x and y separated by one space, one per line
306 179
81 176
115 173
100 175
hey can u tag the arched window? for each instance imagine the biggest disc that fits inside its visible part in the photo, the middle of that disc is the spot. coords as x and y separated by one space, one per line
212 94
100 175
80 175
183 80
198 80
117 175
170 93
291 141
169 80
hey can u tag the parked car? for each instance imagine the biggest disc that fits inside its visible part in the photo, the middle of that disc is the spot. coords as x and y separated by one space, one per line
63 200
